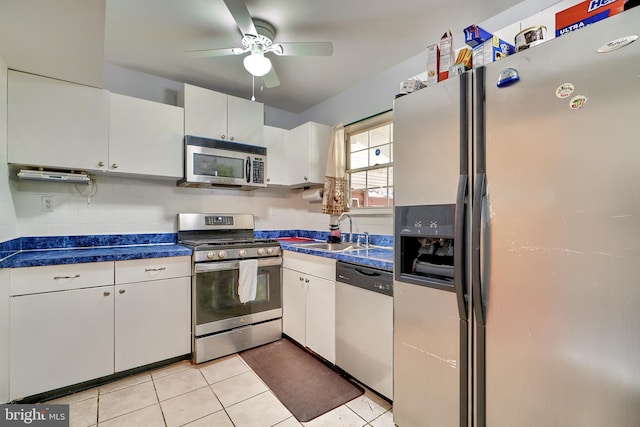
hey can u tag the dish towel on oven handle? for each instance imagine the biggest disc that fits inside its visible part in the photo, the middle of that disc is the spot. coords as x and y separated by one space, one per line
247 280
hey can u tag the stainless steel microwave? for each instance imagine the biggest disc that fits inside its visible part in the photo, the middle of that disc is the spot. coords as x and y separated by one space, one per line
216 163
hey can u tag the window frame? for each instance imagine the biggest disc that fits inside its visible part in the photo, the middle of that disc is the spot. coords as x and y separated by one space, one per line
361 126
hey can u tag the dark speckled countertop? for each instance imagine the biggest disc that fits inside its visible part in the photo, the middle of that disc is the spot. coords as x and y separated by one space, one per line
377 257
75 256
40 251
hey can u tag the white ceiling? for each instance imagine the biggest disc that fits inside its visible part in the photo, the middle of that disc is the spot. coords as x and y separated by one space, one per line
63 39
368 38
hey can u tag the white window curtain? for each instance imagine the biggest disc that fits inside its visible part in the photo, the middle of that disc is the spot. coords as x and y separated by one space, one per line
335 185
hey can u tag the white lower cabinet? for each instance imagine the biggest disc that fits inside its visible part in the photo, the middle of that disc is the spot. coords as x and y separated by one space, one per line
59 339
153 316
72 323
308 302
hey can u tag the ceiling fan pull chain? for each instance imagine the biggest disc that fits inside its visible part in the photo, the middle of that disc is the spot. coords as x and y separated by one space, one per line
253 88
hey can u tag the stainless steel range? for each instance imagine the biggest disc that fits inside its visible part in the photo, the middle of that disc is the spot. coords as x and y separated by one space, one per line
236 284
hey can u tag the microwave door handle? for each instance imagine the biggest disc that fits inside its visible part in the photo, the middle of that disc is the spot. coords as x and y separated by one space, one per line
247 168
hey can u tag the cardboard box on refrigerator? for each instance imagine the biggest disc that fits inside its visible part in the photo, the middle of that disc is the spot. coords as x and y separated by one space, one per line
447 55
433 56
475 35
585 13
491 50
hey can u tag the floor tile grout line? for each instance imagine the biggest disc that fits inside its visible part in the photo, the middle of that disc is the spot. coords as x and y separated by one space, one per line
127 413
155 390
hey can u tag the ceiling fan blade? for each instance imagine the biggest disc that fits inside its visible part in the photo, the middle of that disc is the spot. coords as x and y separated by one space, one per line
208 53
305 49
271 79
240 13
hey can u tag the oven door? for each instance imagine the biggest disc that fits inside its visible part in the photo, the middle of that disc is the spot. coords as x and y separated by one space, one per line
216 305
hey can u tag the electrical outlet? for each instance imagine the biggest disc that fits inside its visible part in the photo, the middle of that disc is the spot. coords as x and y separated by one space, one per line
48 204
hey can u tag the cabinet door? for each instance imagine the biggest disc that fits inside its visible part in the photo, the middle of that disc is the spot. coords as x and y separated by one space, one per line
297 155
294 294
245 121
59 339
52 123
319 142
152 322
145 138
205 112
277 166
321 317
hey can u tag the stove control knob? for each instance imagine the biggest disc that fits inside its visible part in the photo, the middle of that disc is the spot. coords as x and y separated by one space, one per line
222 254
260 251
270 251
210 255
242 252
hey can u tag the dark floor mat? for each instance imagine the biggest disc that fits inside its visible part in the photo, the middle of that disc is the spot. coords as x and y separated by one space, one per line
305 385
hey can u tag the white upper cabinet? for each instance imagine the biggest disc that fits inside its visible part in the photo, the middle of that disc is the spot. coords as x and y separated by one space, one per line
216 115
297 158
279 166
145 138
52 123
57 124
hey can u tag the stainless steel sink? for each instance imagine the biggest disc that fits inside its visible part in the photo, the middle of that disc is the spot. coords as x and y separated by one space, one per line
331 247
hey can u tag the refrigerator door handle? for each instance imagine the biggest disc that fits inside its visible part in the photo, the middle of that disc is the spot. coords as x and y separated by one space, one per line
459 276
476 221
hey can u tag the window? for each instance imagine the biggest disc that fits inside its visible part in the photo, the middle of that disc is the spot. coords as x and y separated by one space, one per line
370 162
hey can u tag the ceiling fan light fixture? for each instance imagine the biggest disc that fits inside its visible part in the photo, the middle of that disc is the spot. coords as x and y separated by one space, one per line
257 64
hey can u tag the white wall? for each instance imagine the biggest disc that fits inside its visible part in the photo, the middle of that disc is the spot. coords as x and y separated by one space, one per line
375 94
146 86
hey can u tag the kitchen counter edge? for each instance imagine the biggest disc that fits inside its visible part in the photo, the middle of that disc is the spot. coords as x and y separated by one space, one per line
381 258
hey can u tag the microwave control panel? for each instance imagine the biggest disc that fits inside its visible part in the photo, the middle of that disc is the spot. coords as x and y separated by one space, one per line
258 171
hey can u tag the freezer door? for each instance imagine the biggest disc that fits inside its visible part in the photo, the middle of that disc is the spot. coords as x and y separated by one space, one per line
427 365
561 233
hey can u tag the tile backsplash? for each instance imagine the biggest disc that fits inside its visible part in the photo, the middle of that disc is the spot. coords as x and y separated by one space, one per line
128 205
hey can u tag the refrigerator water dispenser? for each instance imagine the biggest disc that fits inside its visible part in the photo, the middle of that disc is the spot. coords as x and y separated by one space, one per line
425 235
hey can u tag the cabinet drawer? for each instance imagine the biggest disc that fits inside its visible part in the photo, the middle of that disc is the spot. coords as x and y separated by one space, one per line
51 278
310 264
140 270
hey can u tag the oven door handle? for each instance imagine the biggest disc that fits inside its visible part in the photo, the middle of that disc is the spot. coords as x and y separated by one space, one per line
204 267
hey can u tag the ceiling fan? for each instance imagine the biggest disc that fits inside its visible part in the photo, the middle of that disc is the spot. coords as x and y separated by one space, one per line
257 40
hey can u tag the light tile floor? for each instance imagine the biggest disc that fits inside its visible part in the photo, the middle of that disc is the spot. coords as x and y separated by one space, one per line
221 393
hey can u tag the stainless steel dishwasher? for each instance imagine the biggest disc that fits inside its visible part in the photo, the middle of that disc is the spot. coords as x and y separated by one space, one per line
364 325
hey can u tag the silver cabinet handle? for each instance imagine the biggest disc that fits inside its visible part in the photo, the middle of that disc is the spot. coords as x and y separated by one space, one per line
155 269
101 164
223 136
107 293
66 277
114 166
306 179
231 138
121 291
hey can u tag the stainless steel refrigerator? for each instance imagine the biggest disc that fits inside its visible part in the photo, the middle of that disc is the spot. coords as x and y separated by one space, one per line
517 239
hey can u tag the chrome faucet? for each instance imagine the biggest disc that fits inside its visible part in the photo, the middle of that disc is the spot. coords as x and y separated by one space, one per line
342 215
366 240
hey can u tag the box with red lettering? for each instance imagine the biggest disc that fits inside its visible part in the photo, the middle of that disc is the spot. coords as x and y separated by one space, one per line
586 13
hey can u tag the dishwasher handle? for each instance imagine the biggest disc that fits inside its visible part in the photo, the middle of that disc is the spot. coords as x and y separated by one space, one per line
380 281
